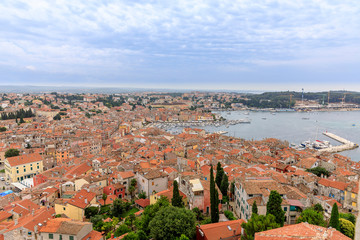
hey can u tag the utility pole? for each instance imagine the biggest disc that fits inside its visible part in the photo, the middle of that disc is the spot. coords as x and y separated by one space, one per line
328 97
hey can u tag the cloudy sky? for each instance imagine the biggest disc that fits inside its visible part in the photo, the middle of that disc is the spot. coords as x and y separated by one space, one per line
193 44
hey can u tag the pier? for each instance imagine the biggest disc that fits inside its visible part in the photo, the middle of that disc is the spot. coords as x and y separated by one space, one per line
346 144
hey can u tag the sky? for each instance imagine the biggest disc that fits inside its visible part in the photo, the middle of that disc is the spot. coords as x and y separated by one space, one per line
186 44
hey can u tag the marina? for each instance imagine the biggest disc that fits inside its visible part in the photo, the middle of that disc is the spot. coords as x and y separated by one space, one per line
346 144
177 124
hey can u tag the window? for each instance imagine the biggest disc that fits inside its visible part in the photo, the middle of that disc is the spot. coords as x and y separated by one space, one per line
37 167
51 236
285 209
64 209
152 183
71 237
31 168
17 171
60 237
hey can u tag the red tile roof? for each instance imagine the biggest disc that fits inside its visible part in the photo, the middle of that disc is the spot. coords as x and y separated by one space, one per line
93 235
216 231
333 184
304 231
24 159
143 202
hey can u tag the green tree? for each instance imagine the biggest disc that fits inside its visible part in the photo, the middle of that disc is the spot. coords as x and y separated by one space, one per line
132 187
2 129
122 229
91 211
176 200
347 228
87 114
224 185
258 223
22 120
183 237
97 221
117 208
311 216
171 222
57 117
142 195
150 211
131 236
219 174
254 208
141 235
318 171
217 214
334 219
131 219
213 202
104 197
232 189
229 215
348 216
318 208
199 216
12 153
273 207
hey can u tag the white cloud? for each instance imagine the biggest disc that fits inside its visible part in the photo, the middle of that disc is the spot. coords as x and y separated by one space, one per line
30 67
111 36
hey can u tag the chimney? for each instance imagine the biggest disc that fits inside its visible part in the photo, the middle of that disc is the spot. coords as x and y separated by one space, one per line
16 221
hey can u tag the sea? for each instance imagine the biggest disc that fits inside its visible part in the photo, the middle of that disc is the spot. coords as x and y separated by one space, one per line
295 127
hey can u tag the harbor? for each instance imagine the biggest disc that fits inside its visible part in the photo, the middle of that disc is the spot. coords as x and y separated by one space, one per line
176 124
346 144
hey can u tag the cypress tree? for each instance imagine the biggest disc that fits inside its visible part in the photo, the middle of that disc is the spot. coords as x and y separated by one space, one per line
217 216
273 207
334 219
254 208
213 201
219 174
224 185
176 200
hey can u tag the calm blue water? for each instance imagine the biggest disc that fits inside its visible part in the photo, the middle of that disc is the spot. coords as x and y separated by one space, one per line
292 127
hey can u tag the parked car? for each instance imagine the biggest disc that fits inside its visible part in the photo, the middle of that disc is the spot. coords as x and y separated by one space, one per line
2 179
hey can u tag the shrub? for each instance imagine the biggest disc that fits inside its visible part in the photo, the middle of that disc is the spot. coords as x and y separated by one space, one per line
229 215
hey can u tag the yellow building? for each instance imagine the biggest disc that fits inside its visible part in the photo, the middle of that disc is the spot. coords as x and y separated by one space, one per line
74 208
22 167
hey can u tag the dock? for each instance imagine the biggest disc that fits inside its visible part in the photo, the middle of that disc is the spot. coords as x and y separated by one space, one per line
346 144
